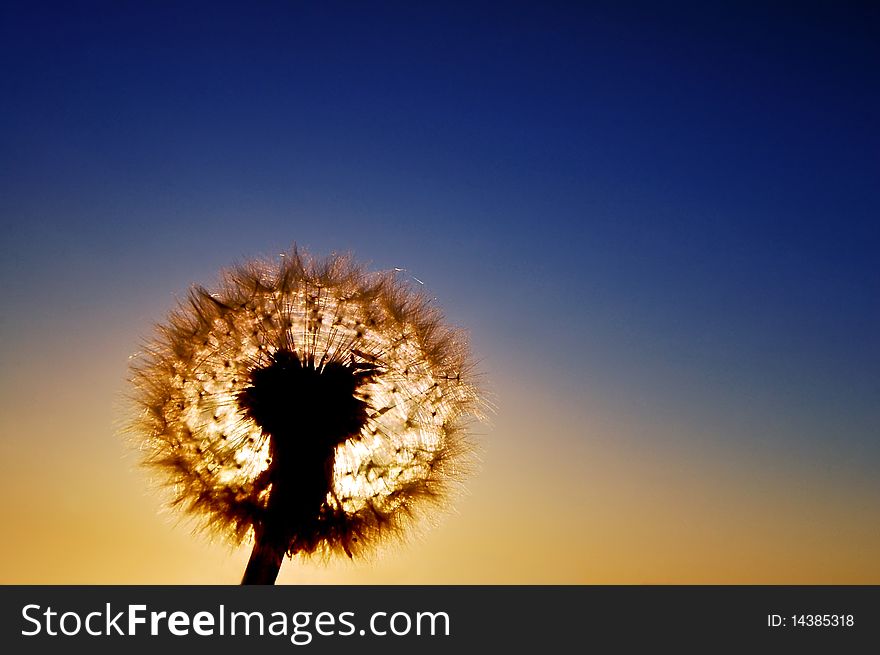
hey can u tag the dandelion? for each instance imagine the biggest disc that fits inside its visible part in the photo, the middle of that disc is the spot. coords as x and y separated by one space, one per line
306 404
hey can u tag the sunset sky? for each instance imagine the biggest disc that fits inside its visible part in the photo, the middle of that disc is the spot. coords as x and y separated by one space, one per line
659 225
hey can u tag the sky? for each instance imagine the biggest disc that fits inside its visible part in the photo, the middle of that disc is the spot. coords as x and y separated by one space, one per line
657 223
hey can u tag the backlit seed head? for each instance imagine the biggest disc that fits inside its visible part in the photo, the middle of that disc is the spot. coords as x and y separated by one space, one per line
307 400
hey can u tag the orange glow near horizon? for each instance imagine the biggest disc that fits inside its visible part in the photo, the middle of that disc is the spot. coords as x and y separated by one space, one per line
566 495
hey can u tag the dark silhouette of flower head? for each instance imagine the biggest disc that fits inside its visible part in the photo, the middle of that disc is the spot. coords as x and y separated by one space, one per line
306 403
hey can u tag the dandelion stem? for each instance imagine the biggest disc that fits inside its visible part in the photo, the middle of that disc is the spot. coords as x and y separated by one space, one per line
264 564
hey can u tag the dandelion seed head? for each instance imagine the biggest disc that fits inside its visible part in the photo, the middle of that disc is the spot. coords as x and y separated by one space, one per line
307 395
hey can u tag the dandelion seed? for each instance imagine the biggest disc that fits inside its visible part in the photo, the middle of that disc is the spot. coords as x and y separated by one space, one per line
287 406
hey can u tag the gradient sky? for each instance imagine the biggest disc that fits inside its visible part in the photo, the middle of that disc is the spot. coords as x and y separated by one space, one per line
659 224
